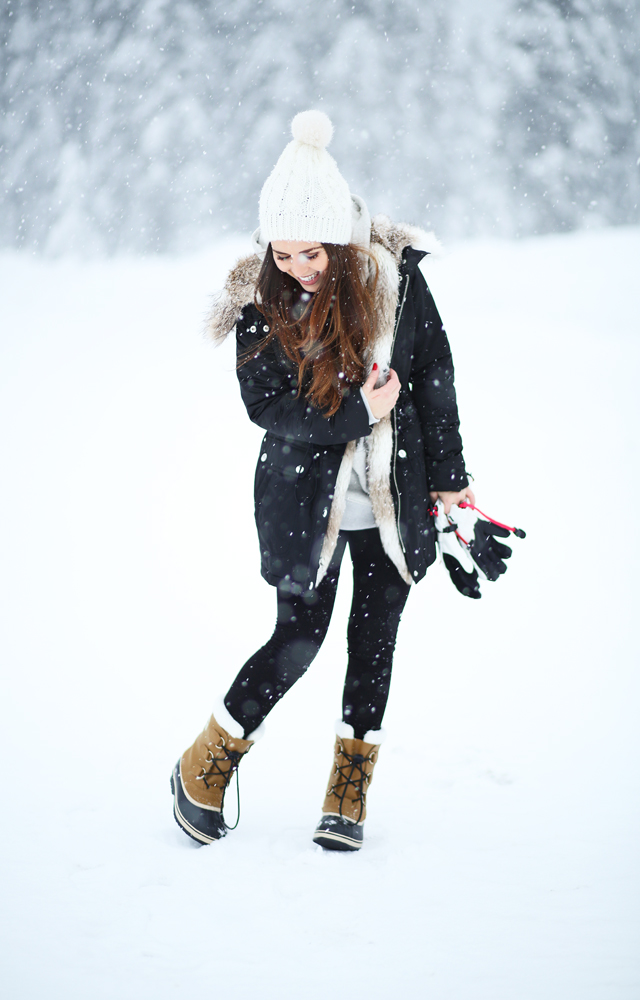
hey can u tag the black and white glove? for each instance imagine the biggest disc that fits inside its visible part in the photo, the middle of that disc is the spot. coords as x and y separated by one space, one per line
469 546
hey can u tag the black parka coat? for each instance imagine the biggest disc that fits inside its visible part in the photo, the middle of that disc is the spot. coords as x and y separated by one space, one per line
302 451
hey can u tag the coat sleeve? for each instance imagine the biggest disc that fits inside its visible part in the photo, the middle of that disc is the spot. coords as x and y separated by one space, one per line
434 394
270 393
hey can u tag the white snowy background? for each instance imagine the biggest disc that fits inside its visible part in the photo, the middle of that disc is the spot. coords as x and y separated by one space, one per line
501 858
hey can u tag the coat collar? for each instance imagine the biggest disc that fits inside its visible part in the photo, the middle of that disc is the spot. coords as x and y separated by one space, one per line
398 236
396 247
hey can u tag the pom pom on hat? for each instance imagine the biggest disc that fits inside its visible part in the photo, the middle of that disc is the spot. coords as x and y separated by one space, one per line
305 196
313 128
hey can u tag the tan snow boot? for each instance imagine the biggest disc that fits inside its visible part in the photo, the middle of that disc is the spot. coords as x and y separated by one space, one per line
345 806
202 775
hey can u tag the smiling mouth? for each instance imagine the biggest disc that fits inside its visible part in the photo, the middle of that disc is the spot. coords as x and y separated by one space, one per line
310 279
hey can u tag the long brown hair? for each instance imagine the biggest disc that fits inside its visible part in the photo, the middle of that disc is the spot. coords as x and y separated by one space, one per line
325 333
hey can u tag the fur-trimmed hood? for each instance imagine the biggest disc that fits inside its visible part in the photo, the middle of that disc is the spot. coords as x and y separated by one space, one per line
239 288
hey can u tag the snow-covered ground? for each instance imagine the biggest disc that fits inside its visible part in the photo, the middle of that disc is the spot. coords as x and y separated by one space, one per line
501 857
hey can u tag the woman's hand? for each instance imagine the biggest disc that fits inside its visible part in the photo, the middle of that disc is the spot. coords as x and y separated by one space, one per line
450 498
381 401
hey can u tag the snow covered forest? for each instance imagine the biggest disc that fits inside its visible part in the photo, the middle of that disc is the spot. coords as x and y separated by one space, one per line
148 126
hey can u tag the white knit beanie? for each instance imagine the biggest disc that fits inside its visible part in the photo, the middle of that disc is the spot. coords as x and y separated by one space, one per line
305 196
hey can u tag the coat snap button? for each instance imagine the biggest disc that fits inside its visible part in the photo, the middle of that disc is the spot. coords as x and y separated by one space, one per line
263 458
402 453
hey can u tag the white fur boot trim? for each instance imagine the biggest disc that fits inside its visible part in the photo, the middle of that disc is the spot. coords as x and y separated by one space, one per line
227 721
375 736
344 730
258 733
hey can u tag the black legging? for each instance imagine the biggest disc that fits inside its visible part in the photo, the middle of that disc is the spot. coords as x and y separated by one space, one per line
379 597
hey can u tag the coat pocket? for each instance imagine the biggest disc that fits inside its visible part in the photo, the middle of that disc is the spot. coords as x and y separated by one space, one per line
289 470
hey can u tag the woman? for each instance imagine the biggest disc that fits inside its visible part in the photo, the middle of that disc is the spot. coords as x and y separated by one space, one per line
343 360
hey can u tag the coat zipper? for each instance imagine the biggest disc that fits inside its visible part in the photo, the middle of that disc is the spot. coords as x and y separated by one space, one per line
395 332
395 429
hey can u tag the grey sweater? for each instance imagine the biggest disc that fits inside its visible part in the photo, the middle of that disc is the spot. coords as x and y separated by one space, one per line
358 513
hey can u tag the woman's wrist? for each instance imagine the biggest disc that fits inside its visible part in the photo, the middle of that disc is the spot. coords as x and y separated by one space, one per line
372 418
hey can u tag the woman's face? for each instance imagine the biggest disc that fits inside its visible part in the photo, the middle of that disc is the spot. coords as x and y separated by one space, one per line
306 261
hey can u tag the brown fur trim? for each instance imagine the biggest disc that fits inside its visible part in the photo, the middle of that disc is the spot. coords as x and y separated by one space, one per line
379 444
239 288
336 513
395 236
238 291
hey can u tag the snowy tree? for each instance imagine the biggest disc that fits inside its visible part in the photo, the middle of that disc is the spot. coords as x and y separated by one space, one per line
151 125
570 117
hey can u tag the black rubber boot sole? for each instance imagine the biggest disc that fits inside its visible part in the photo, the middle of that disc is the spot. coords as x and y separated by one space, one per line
337 834
202 825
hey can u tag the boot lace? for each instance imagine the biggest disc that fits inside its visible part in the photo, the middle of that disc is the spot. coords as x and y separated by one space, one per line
231 757
352 774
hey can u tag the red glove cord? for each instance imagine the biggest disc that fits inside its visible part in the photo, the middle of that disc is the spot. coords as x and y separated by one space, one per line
516 531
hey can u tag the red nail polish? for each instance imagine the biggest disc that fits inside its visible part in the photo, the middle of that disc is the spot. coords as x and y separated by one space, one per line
375 368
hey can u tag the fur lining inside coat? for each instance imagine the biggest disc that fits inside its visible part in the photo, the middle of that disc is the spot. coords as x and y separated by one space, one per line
390 246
